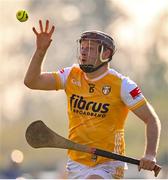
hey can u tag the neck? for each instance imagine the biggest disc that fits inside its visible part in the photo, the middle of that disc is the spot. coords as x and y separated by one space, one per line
98 72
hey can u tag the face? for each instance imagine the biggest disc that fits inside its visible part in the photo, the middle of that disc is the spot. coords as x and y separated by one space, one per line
89 52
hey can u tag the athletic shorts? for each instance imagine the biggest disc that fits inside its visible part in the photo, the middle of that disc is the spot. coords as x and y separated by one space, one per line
107 170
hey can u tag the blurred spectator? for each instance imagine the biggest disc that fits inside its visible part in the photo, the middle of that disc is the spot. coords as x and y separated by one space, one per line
13 171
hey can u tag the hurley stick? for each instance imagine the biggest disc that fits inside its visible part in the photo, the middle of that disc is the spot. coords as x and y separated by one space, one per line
38 135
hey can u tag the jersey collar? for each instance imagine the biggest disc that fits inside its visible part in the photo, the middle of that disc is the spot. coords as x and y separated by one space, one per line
97 78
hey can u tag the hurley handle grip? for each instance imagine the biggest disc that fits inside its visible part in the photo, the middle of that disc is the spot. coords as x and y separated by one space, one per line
130 160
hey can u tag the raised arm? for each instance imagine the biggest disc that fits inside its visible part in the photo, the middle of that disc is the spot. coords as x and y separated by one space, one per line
153 127
34 78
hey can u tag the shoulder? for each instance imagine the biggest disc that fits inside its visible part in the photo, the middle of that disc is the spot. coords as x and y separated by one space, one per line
67 70
116 74
125 80
76 68
117 77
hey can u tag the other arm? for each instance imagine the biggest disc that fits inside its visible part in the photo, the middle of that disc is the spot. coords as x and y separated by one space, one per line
153 127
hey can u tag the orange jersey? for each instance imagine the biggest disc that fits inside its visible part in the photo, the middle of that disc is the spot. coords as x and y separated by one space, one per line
97 110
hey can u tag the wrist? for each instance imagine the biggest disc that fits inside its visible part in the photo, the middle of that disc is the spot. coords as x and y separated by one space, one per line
41 52
150 157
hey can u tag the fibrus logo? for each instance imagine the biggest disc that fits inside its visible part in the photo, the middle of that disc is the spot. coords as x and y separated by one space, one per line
81 106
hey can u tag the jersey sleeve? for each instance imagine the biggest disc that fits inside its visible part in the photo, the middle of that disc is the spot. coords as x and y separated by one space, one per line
131 94
61 77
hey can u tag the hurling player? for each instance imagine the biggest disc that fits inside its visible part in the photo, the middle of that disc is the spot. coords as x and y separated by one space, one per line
99 99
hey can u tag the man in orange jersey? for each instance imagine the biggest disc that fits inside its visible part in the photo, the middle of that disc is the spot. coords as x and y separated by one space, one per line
99 99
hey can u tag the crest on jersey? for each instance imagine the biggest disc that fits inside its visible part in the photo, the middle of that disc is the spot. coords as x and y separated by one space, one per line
106 89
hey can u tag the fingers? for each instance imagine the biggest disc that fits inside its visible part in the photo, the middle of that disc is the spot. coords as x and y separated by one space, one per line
146 164
41 26
50 41
52 30
47 26
34 30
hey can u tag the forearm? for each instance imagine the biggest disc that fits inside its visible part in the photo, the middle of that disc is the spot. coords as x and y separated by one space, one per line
153 128
34 69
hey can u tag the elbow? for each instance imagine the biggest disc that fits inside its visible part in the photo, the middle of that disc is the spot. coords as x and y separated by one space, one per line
28 84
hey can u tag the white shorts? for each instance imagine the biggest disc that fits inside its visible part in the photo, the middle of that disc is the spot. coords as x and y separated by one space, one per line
107 170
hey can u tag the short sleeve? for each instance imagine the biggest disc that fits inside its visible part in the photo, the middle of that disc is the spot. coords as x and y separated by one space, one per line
61 77
131 94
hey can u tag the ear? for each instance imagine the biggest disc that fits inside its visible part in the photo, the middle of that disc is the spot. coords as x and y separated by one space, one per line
106 54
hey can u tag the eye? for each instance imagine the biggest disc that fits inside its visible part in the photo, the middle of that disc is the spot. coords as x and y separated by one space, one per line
84 48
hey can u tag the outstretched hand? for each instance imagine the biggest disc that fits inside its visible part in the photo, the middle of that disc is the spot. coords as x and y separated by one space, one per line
44 36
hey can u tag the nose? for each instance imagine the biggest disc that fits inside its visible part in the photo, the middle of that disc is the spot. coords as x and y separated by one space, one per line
84 51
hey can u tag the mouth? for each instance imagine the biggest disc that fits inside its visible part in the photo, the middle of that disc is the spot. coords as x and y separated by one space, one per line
83 60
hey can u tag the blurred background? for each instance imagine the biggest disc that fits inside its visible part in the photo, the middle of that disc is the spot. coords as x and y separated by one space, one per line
140 30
